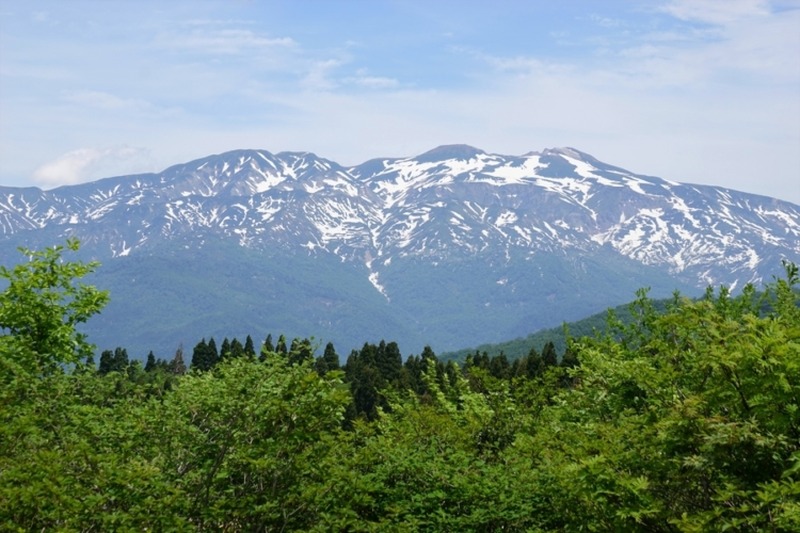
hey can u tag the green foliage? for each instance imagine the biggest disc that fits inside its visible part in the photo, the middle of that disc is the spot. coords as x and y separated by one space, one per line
685 417
40 308
689 419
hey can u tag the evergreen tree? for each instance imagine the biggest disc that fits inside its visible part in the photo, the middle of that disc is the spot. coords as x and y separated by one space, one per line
225 349
328 362
237 349
549 356
151 362
365 382
249 348
177 365
268 346
499 367
389 361
200 356
106 362
120 359
534 364
213 354
570 359
280 348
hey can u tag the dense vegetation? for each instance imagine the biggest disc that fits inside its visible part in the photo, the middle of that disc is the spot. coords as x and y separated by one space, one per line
682 419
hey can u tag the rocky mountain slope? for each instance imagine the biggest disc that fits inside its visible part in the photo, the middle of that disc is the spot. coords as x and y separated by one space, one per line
453 247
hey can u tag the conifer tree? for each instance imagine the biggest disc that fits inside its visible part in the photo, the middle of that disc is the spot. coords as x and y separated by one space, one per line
213 354
225 349
281 346
499 366
549 356
237 349
329 360
389 361
200 356
534 364
177 366
249 348
150 365
106 362
120 359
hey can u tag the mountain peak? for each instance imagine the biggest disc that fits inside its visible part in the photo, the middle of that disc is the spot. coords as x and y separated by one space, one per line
462 152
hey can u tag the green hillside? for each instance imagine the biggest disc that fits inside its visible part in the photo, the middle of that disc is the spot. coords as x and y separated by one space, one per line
520 347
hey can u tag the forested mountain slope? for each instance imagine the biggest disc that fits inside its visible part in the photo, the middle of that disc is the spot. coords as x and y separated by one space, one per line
452 248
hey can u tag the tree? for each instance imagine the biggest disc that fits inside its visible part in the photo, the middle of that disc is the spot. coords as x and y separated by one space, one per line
237 349
40 308
249 348
266 348
219 445
106 362
225 349
534 364
549 357
329 360
177 366
150 365
389 361
684 419
213 354
200 356
281 346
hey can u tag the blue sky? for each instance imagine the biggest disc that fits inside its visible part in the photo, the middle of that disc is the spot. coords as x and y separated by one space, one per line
697 91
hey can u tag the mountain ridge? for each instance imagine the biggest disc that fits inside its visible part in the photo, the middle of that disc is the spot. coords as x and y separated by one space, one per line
497 234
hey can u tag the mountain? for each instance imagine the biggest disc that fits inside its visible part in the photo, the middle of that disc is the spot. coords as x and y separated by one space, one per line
455 247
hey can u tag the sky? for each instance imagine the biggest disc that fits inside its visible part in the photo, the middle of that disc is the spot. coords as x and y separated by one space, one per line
698 91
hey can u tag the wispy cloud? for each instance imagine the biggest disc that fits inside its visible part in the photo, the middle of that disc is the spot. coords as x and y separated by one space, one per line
77 166
364 79
718 12
222 41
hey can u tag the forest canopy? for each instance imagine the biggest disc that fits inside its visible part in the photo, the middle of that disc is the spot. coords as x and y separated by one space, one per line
682 419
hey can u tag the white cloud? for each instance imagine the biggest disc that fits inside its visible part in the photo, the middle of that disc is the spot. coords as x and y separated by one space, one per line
319 75
85 164
719 12
364 79
222 40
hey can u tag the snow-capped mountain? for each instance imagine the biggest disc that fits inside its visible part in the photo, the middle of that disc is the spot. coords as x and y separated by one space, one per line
455 225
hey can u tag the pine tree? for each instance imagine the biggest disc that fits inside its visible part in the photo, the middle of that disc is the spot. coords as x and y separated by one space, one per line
225 349
213 354
177 365
534 364
328 362
570 359
120 361
281 346
549 354
106 362
200 356
499 366
266 348
151 362
249 348
389 361
237 349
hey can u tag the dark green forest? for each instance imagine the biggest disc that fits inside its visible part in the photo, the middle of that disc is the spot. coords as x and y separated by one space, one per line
684 416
